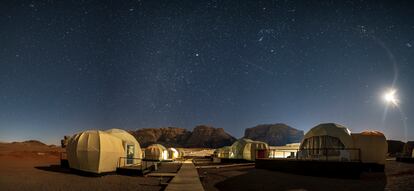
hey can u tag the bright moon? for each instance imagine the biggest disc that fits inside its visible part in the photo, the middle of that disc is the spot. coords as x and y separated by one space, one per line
390 97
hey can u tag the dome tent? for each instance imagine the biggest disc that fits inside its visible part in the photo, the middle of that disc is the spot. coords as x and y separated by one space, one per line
246 149
181 152
94 151
173 153
328 139
156 152
327 135
223 152
132 149
373 146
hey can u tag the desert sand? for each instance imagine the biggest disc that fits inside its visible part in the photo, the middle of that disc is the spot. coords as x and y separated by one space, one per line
397 176
34 166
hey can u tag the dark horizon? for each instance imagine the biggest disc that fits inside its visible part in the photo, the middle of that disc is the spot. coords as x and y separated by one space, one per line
71 66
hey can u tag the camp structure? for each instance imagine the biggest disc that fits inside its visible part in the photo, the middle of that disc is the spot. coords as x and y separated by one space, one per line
132 149
94 151
156 152
173 153
328 141
223 152
245 149
287 151
373 147
181 152
408 149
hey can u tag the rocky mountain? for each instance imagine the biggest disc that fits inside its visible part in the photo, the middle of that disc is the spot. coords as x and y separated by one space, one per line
209 137
274 134
201 136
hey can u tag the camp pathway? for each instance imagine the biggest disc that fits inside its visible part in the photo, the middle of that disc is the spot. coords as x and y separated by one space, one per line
186 179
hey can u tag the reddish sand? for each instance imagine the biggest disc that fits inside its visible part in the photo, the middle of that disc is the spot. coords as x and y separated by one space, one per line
398 176
36 167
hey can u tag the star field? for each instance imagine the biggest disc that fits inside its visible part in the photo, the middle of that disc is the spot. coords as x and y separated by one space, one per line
67 66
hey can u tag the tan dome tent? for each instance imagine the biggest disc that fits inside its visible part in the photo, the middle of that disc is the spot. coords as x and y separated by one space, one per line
327 140
172 153
373 146
181 152
132 149
223 152
94 151
156 152
246 149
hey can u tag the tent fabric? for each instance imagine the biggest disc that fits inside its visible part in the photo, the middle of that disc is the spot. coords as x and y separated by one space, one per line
181 152
329 134
373 146
156 152
223 152
173 153
246 149
94 151
127 140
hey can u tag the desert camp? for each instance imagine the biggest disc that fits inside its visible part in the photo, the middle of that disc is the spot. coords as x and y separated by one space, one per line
211 95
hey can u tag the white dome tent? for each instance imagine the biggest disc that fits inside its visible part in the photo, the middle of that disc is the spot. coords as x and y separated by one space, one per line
94 151
173 153
328 140
132 148
156 152
246 149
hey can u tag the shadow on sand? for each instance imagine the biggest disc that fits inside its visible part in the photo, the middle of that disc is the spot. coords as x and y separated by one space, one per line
65 170
260 179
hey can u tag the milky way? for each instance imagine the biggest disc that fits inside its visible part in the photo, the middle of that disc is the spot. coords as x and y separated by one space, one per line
68 66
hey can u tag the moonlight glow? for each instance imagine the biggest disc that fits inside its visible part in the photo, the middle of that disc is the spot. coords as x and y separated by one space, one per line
390 97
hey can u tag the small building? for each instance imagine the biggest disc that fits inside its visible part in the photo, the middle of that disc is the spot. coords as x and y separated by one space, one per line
287 151
156 152
246 149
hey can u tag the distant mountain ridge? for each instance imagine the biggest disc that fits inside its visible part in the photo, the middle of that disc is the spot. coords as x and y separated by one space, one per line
201 136
274 134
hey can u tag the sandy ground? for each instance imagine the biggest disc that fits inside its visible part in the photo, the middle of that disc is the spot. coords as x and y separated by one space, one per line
36 167
398 176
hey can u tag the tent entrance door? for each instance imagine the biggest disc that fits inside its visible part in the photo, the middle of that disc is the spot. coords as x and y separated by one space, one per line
130 154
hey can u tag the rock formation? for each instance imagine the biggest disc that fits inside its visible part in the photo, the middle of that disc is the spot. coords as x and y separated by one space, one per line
274 134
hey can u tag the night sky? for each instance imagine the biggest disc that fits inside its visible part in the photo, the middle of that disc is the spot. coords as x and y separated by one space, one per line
69 66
